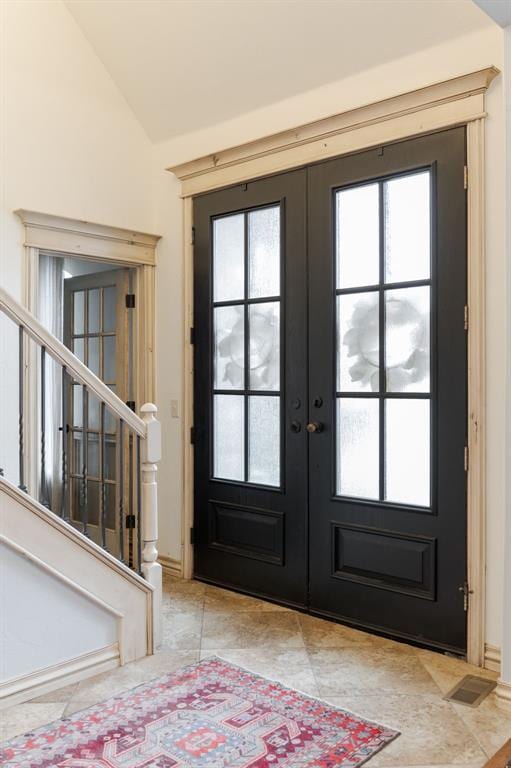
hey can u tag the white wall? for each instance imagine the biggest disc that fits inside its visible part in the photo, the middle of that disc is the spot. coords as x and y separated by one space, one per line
463 55
44 621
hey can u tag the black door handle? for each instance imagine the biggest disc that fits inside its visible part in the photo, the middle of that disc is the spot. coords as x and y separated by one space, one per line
296 426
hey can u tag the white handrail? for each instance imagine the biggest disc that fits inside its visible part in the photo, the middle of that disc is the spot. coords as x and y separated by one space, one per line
77 369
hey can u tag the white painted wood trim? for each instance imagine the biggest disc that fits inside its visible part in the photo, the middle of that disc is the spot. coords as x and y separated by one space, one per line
171 566
188 373
65 357
476 478
57 676
452 102
67 530
84 238
503 692
492 657
459 101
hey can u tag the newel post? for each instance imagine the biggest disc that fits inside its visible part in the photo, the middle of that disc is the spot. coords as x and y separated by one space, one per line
151 568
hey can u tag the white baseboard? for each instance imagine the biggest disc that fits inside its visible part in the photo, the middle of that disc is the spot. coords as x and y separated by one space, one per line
171 566
51 678
492 658
503 691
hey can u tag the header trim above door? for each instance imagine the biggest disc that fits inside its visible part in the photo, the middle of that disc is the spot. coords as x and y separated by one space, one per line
452 102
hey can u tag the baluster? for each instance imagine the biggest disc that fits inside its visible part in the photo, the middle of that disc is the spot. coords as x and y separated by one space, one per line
139 509
130 515
21 426
102 452
151 568
120 482
44 485
85 495
64 428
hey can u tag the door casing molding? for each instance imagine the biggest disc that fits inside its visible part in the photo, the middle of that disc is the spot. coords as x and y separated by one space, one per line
455 102
45 232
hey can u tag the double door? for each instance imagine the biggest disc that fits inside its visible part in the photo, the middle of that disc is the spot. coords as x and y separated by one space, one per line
330 389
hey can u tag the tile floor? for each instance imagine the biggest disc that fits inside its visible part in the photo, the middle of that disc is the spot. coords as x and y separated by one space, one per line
390 682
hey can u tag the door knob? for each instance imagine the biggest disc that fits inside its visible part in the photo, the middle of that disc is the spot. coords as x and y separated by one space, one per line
314 426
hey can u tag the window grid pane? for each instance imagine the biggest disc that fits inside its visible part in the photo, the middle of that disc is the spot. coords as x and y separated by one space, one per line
246 347
383 351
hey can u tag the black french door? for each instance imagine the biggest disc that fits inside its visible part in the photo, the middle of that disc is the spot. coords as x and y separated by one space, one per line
330 389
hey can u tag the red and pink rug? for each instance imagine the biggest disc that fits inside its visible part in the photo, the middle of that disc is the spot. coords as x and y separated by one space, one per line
209 715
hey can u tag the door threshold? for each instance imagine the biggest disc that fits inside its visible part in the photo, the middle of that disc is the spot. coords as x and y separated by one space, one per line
397 637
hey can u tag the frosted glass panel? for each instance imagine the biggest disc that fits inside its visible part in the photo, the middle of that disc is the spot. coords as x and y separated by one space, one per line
78 312
228 440
407 348
264 440
229 347
94 316
358 447
109 302
407 227
407 444
264 353
264 252
358 236
358 344
78 349
77 405
94 411
228 258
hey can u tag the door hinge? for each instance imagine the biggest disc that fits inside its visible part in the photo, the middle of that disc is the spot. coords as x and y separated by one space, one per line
192 335
193 236
130 301
192 535
466 594
465 458
130 521
131 404
465 177
192 435
465 317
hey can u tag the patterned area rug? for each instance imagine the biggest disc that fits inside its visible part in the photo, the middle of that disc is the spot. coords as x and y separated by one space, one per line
209 715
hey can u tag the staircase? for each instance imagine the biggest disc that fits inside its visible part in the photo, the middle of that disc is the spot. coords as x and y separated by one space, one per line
80 582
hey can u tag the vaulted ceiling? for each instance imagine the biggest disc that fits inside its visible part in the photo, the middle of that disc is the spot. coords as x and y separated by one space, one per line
184 65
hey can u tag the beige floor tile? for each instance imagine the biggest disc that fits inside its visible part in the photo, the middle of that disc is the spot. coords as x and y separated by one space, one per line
489 724
222 601
320 633
61 694
290 667
244 629
431 731
447 671
181 631
369 671
27 717
107 684
182 596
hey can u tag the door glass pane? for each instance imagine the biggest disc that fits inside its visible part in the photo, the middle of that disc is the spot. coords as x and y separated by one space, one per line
110 465
93 455
110 506
407 447
357 227
109 302
358 447
264 252
93 354
93 502
407 348
78 312
358 342
77 453
264 440
78 349
110 418
94 311
94 411
77 405
264 323
229 347
229 437
229 258
109 359
407 227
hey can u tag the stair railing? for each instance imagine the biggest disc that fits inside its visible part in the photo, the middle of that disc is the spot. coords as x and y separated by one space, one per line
115 502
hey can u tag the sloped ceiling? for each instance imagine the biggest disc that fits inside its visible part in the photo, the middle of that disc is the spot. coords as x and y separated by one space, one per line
184 65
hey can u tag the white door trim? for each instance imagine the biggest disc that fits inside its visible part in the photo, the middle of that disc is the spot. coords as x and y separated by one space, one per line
99 243
459 101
